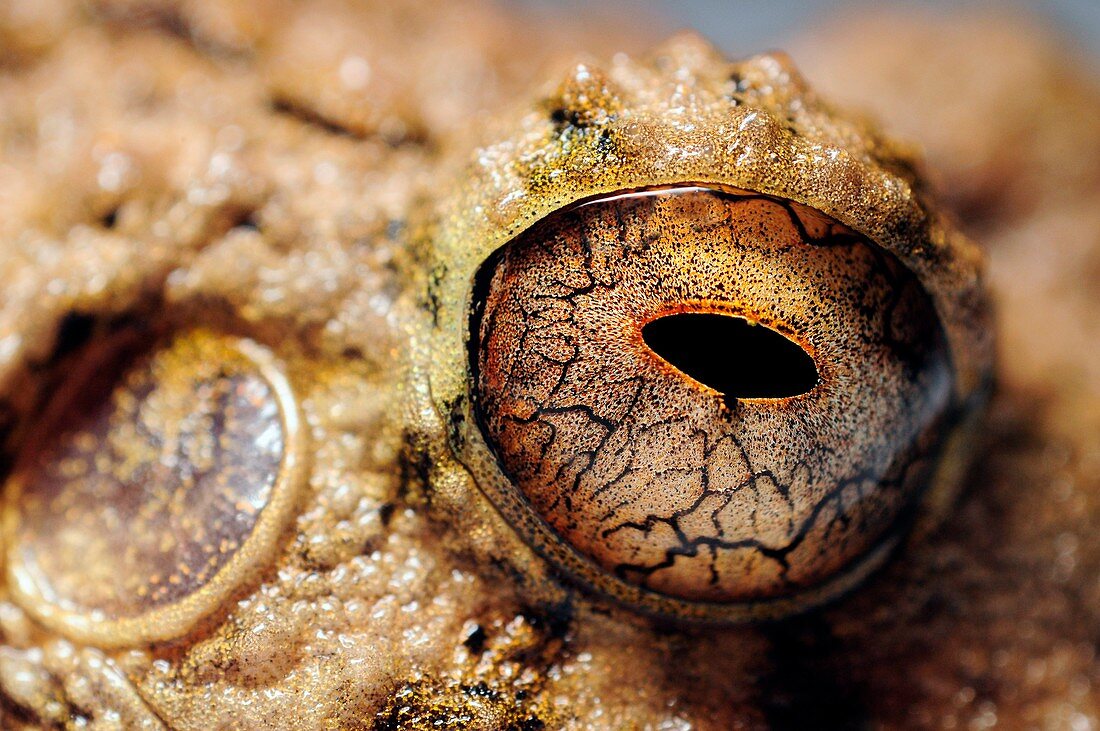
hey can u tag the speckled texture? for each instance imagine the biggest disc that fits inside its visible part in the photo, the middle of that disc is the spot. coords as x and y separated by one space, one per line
205 183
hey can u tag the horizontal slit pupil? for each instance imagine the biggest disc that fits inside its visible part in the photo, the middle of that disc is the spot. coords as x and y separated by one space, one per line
732 355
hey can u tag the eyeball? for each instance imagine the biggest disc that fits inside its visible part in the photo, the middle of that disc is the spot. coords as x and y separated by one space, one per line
707 349
713 395
156 484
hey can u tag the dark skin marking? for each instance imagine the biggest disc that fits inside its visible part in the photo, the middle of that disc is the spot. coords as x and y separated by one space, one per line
801 690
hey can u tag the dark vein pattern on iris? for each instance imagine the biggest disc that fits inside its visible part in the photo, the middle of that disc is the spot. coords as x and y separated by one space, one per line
662 481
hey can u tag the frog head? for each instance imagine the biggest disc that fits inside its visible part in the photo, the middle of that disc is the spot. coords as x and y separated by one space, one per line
700 339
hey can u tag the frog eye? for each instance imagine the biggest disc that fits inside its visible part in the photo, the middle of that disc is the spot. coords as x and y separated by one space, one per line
156 484
705 396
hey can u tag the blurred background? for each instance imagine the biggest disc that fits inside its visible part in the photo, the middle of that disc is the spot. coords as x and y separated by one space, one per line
748 26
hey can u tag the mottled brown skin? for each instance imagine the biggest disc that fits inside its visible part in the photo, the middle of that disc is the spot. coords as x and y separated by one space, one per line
270 172
665 482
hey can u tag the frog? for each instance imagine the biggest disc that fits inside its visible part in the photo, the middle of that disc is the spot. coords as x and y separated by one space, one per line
256 299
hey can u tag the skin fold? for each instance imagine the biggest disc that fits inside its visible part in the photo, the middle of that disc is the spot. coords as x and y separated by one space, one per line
246 207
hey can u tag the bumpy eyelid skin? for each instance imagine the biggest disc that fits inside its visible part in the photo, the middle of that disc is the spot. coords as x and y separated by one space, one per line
685 117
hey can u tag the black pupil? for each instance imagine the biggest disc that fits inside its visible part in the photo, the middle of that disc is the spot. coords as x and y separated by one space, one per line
732 355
